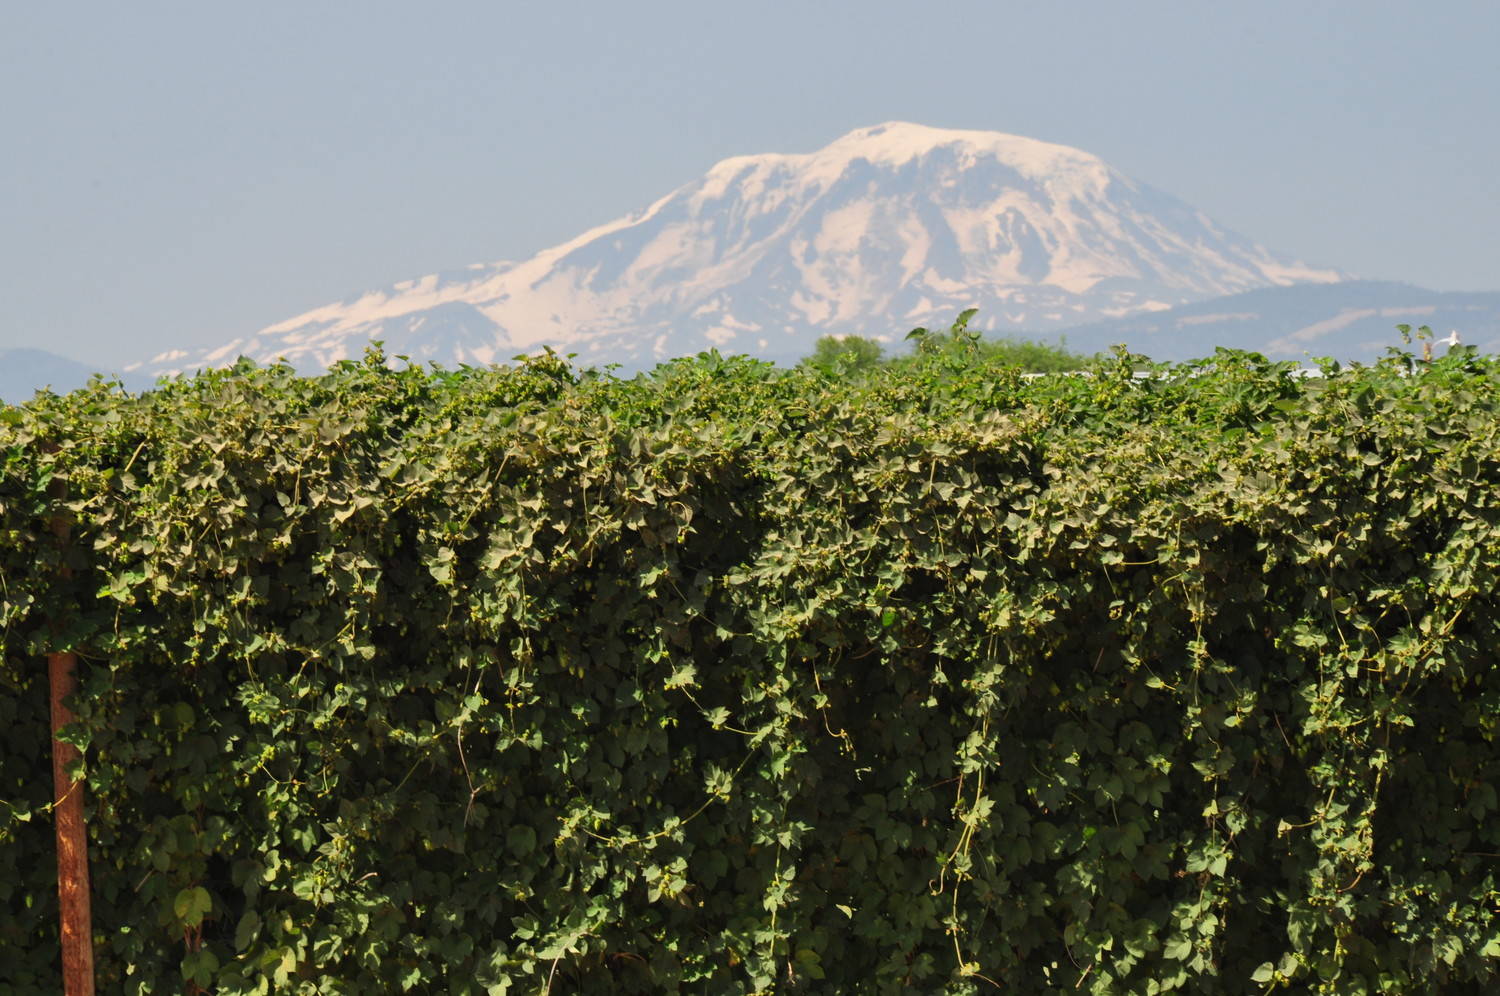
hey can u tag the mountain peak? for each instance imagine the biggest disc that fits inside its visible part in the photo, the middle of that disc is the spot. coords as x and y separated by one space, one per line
894 144
889 226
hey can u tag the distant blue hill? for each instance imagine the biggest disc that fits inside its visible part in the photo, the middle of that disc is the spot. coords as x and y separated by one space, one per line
1350 320
23 372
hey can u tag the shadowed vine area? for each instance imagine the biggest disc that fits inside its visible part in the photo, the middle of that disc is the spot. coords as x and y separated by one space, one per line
730 678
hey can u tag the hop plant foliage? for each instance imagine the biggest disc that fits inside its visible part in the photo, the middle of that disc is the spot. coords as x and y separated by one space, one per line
737 679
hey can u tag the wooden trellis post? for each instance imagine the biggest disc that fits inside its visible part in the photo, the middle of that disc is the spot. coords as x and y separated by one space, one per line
75 914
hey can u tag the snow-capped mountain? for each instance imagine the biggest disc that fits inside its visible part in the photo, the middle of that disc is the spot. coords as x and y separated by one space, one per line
886 228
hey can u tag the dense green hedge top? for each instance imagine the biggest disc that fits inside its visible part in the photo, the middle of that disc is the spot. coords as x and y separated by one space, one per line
730 678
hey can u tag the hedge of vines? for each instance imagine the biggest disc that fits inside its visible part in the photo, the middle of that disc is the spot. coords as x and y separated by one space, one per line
734 679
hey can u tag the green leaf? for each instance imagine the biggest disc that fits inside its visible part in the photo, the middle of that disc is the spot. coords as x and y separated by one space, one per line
191 905
285 966
199 966
247 930
684 676
521 839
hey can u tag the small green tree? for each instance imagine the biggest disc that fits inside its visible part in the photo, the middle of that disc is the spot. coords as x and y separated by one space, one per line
1033 355
842 355
959 342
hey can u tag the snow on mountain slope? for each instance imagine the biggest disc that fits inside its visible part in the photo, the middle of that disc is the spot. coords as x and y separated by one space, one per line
886 228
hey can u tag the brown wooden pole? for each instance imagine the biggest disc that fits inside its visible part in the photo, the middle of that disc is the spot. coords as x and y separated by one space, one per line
74 910
72 839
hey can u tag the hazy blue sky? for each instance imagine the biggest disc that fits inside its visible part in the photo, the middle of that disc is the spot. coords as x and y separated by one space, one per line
176 174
